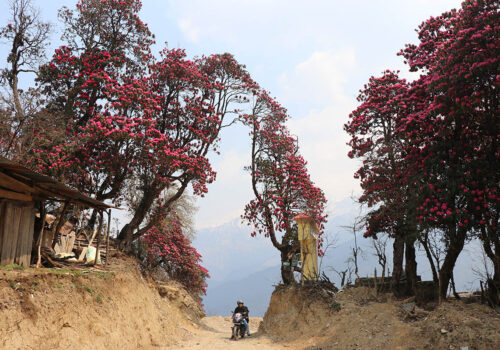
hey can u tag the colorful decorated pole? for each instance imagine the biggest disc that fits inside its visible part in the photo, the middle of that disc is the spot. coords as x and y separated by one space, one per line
308 233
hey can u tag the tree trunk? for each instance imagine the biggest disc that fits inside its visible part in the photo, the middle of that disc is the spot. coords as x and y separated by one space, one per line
494 284
59 223
428 253
342 282
453 288
286 271
494 256
397 268
411 266
92 221
127 231
149 196
19 109
455 247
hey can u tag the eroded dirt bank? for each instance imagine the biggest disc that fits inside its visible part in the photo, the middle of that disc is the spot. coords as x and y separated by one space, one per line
120 309
367 321
82 309
114 309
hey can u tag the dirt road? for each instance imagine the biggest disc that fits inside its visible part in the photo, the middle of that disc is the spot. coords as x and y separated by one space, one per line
216 333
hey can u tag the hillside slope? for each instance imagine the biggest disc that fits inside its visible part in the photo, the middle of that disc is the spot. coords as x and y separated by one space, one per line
364 321
85 309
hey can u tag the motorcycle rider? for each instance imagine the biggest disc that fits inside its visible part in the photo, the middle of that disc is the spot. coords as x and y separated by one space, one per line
242 309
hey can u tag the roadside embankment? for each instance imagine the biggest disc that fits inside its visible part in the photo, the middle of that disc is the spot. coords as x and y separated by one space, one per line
85 308
358 318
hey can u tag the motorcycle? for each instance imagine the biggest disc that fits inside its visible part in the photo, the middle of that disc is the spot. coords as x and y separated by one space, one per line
238 328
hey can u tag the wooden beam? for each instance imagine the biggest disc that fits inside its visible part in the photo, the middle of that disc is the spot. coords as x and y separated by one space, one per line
3 235
61 198
15 195
43 214
11 183
107 236
98 238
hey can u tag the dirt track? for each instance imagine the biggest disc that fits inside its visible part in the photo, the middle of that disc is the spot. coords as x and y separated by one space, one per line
216 333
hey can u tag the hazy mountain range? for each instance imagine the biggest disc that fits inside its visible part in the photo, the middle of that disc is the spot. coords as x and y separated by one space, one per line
247 268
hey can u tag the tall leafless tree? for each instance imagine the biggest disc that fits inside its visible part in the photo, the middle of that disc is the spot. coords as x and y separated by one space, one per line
27 36
356 226
380 246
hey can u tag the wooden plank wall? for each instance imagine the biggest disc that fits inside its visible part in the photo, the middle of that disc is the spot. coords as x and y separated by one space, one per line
2 223
17 222
25 238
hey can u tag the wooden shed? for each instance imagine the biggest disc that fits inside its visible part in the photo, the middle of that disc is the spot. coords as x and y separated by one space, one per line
20 190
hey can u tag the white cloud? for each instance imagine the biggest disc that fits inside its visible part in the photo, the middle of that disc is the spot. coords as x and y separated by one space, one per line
249 23
320 80
323 144
321 77
227 196
189 30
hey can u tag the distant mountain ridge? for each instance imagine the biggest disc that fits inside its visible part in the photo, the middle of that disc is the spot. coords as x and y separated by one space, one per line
245 267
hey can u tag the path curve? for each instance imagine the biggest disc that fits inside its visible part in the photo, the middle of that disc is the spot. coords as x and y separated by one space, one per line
215 333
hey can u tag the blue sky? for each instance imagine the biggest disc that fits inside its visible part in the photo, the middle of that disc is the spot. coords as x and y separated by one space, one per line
312 55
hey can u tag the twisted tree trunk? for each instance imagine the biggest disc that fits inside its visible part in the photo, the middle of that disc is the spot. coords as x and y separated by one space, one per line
397 267
456 244
127 232
411 266
286 271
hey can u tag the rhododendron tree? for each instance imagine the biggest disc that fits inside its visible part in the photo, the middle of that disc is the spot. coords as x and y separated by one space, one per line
131 119
280 181
87 82
111 26
168 248
455 139
95 86
387 188
447 131
196 97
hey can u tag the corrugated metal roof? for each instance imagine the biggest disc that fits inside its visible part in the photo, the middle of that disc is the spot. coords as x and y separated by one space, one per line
44 186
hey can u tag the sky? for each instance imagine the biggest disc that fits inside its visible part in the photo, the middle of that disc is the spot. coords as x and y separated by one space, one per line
313 56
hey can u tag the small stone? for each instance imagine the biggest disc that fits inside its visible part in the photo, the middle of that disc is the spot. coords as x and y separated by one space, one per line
443 331
464 348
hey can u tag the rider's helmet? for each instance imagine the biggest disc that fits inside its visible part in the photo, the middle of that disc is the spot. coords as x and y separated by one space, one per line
239 302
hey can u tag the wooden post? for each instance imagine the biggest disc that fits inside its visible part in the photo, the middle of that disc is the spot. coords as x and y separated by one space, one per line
107 236
98 237
439 288
43 214
483 298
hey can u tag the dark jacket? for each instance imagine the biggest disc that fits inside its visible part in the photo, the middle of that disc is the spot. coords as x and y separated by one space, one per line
242 310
